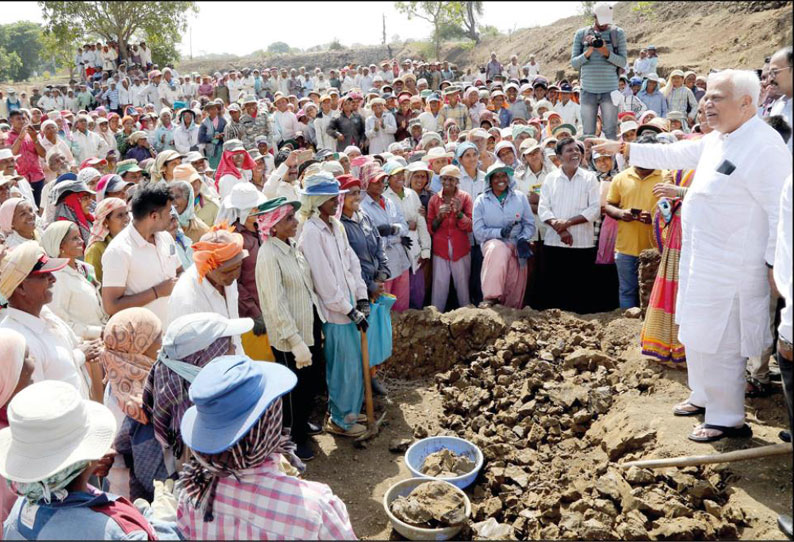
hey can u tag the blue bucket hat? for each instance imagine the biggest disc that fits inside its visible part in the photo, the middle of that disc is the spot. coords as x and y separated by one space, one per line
229 395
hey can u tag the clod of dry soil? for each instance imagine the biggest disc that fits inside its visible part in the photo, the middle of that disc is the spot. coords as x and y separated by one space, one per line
446 464
430 505
555 401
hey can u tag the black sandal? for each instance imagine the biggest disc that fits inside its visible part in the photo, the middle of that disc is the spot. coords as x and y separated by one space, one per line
682 412
756 388
725 432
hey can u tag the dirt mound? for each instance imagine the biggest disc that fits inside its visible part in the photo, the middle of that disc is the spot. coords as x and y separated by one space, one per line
550 400
427 341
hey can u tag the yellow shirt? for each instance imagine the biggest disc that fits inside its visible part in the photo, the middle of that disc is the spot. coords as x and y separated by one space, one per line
629 191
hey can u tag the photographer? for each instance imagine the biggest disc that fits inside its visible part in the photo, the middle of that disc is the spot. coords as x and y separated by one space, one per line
24 142
599 52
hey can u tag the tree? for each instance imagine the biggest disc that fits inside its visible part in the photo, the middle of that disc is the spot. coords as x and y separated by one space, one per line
335 45
24 39
10 63
119 21
61 52
472 11
384 30
436 13
278 47
586 8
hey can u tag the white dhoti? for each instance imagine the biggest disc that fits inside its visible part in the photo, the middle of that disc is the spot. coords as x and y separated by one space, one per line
717 380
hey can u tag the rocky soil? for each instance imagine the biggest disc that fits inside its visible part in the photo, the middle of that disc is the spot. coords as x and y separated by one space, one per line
556 402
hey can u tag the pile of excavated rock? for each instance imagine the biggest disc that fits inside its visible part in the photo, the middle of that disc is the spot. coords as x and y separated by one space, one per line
528 400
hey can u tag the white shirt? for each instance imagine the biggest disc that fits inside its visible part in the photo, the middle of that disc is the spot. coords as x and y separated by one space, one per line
89 145
169 94
235 86
728 230
410 204
146 55
324 141
191 296
562 198
125 95
53 347
641 66
275 187
77 302
783 255
379 140
287 124
513 71
138 95
570 113
335 269
534 69
133 263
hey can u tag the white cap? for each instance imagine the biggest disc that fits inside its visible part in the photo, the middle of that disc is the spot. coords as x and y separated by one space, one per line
603 12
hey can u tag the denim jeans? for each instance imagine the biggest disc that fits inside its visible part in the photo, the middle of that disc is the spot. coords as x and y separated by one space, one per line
628 278
590 103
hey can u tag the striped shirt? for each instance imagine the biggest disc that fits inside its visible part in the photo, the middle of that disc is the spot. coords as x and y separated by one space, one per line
286 294
678 99
266 504
599 73
562 198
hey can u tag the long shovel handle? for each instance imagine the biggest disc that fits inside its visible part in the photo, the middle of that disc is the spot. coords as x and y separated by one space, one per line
367 381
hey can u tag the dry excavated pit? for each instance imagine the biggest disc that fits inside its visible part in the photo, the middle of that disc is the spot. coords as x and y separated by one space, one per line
554 401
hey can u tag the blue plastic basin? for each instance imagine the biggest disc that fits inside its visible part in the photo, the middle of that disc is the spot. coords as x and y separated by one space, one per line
417 453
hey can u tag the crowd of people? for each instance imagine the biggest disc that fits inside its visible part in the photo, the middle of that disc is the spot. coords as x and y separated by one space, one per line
189 261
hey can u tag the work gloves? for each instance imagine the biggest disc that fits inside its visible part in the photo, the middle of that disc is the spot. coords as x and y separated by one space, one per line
303 356
358 318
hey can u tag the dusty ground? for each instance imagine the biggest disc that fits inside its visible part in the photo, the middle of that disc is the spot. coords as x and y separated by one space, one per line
750 494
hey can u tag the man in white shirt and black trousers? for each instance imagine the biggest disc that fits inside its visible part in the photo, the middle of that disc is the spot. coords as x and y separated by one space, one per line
570 201
729 227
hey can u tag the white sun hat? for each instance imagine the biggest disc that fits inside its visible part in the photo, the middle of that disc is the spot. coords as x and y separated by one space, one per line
50 427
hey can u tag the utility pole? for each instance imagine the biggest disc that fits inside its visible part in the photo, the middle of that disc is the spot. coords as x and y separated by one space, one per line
384 29
190 33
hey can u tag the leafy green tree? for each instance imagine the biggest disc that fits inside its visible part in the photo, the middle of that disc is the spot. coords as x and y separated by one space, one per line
24 39
436 13
61 52
278 47
10 63
449 31
155 22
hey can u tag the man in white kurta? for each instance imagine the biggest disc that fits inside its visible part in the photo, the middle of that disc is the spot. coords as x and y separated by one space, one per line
729 226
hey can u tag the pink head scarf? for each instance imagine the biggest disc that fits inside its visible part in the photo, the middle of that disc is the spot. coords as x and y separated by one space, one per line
266 221
7 214
103 209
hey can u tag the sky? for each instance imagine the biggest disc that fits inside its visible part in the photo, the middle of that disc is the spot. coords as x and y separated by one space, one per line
316 23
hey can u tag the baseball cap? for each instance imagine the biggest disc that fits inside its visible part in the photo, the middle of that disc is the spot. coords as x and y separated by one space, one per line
603 12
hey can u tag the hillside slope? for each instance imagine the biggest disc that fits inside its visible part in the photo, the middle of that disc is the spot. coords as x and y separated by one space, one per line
690 35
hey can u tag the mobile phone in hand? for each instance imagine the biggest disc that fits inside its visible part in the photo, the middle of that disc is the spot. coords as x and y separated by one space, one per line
635 212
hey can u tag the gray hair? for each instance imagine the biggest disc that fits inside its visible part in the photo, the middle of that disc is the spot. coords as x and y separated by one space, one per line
745 83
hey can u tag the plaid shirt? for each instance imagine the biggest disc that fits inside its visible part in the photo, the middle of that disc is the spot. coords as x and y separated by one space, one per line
266 504
459 113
